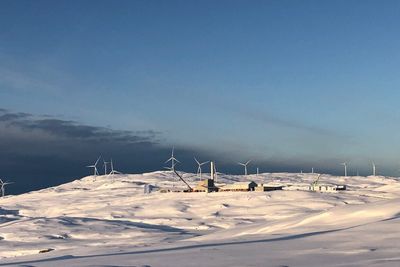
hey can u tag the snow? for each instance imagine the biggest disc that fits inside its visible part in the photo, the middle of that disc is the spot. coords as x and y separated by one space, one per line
109 221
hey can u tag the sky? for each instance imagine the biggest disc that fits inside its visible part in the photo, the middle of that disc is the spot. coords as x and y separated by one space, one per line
288 84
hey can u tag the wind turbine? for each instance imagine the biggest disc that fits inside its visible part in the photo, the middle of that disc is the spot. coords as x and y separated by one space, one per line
345 168
373 168
245 166
200 164
105 166
2 185
112 169
95 172
173 160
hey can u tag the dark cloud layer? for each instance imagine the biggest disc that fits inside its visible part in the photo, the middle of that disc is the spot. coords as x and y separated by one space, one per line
42 151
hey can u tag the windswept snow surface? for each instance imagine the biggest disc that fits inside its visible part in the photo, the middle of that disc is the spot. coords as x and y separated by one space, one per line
109 221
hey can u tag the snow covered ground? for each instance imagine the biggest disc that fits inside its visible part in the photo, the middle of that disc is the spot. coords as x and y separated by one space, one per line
109 221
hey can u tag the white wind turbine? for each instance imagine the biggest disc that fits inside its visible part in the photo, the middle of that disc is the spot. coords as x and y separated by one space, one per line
345 168
105 166
95 172
173 160
245 166
112 169
2 185
200 164
373 168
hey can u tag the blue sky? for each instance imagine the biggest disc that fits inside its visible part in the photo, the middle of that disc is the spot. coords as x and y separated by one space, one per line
301 82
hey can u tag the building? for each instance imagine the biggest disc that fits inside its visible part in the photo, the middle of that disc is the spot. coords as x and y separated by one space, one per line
326 188
241 186
206 185
148 188
263 188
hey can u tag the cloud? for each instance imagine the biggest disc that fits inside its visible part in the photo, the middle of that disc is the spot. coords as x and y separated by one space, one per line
10 117
71 129
32 76
270 119
273 120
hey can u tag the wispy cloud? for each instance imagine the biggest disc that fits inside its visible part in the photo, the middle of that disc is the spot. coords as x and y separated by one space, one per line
17 80
270 119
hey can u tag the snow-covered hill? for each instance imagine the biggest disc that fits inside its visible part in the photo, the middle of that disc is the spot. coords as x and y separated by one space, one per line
109 221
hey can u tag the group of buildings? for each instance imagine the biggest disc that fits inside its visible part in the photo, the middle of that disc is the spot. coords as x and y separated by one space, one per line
208 186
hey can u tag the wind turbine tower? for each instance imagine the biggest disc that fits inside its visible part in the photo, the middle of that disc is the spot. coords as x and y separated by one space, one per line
345 168
173 160
245 166
105 167
373 168
199 166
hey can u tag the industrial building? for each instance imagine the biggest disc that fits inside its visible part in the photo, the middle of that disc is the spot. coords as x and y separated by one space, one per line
316 186
263 188
240 186
206 185
327 188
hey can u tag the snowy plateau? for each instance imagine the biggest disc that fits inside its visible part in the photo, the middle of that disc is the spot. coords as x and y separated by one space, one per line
110 221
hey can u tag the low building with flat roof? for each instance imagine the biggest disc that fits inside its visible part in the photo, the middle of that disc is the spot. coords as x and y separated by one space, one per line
263 188
240 186
327 188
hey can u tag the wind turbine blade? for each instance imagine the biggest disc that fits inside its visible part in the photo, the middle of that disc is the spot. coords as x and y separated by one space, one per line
112 165
97 160
196 160
248 162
